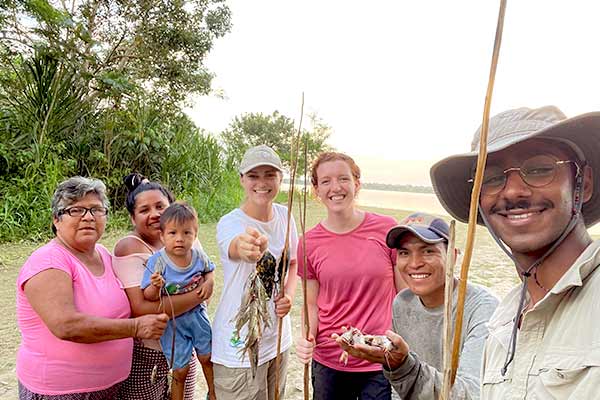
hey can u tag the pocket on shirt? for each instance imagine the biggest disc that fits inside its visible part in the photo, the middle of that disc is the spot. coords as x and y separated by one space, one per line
494 385
573 376
492 377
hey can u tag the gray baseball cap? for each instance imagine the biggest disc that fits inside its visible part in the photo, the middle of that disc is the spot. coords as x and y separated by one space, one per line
450 176
260 155
427 227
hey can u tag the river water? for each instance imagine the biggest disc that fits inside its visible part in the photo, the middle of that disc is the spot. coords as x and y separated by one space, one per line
489 265
426 202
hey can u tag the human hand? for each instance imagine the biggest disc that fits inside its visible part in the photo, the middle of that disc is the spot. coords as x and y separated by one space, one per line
150 326
205 290
157 280
251 245
305 348
283 304
391 359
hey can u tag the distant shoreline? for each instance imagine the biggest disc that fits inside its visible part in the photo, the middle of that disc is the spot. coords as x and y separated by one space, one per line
397 188
387 187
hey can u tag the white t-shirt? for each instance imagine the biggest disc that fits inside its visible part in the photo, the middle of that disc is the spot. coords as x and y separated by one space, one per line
225 349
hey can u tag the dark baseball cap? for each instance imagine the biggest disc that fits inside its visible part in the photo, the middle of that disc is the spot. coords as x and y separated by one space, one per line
427 227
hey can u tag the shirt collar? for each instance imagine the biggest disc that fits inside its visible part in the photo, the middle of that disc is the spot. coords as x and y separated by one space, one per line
583 266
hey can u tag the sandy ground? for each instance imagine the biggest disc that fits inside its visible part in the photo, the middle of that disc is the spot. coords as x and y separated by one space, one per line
490 268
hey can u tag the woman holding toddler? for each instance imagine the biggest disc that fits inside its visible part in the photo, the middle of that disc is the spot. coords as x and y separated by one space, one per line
146 202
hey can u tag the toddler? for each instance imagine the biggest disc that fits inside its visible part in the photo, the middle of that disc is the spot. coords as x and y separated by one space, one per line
179 267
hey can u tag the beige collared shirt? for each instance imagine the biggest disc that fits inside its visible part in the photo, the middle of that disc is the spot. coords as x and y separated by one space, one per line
558 344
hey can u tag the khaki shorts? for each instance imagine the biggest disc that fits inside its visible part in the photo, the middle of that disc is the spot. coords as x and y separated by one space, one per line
237 383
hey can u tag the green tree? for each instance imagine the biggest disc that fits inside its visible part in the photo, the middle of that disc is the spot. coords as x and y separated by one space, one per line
251 129
40 111
95 88
118 46
275 130
49 131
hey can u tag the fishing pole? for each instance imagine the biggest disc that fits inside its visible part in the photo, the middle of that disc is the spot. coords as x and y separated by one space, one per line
295 146
481 159
448 297
304 259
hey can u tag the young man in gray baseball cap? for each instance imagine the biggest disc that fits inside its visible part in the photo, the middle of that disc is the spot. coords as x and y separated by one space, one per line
539 193
414 366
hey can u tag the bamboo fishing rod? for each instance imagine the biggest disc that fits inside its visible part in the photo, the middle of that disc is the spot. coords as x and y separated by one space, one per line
481 159
295 146
447 329
304 259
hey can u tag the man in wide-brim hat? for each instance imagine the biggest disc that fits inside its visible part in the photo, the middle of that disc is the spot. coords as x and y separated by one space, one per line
537 199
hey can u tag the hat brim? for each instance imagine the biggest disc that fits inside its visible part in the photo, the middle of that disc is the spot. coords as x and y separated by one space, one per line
260 164
424 234
450 176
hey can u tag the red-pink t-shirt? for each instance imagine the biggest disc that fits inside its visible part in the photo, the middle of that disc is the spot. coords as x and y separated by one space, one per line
48 365
355 271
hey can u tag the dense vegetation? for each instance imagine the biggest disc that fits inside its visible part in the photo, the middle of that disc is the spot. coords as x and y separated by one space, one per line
97 88
49 131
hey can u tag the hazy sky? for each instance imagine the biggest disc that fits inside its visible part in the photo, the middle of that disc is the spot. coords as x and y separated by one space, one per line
402 80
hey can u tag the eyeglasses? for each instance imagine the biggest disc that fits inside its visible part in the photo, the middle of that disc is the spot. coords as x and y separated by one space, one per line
536 172
81 211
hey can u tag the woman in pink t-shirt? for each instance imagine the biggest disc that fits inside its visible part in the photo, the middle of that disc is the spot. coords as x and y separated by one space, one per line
351 281
71 311
146 201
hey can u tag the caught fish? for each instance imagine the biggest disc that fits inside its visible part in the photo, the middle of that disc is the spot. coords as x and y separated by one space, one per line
153 375
266 270
354 336
169 381
254 314
284 262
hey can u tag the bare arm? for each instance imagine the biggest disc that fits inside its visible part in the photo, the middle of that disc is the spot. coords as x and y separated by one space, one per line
305 348
181 303
50 294
128 246
139 305
205 290
151 293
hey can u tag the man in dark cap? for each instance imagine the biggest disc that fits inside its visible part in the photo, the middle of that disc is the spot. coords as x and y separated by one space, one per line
414 367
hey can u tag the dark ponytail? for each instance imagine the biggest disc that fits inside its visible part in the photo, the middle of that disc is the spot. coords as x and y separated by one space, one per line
136 184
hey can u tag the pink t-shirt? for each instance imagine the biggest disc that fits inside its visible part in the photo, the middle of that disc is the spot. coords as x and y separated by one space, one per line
355 271
48 365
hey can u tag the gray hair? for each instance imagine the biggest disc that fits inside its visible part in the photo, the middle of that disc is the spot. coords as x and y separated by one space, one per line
73 190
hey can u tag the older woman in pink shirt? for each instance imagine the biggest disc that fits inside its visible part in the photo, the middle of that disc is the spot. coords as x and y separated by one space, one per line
71 310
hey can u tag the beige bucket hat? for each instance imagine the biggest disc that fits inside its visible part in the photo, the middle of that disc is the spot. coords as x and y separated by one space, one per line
450 175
